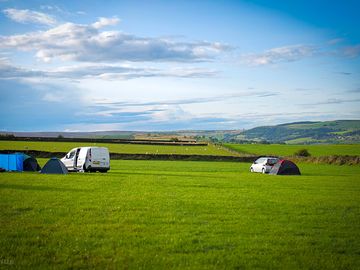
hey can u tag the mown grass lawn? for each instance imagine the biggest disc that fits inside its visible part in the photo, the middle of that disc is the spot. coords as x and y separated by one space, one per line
289 150
183 215
115 148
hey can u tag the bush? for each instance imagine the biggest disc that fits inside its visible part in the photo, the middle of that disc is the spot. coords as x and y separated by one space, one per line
302 153
7 136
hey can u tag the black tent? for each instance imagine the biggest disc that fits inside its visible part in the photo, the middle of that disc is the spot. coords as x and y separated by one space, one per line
30 164
285 167
54 166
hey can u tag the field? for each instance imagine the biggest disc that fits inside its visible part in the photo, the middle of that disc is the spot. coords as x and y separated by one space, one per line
115 148
289 150
182 215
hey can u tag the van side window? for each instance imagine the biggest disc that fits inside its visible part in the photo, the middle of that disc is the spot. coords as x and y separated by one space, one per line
72 154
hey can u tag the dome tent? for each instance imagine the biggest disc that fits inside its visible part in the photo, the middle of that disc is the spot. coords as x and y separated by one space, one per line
54 166
30 164
18 162
285 167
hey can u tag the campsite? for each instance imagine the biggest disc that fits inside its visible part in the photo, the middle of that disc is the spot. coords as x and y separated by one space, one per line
181 214
189 135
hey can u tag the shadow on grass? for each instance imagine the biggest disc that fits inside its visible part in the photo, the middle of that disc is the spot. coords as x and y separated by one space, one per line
40 188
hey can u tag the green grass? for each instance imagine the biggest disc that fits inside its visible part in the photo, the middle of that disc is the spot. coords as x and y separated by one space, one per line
182 215
288 150
115 148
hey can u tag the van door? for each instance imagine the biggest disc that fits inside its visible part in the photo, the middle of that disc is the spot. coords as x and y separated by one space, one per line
69 160
82 157
76 158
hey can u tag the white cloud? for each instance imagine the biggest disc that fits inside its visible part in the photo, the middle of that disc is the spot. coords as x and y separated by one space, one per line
77 42
102 22
29 16
103 72
281 54
111 104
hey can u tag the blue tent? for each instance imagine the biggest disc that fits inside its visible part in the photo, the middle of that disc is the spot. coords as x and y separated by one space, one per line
12 162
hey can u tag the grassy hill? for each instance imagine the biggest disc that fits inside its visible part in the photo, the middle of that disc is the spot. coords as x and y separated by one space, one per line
116 148
340 131
289 150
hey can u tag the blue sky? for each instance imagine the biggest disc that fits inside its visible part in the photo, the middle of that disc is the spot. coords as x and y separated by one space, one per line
175 65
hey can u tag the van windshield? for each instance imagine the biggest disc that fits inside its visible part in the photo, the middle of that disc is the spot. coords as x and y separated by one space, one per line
72 154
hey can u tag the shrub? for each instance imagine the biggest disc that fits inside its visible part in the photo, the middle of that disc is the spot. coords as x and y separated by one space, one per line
7 136
302 153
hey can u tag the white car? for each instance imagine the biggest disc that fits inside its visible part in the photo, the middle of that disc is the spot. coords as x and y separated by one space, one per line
88 159
263 164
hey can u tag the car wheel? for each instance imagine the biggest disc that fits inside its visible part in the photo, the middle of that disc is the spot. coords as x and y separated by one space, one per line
263 170
251 169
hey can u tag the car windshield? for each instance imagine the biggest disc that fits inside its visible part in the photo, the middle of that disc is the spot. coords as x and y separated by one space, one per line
260 160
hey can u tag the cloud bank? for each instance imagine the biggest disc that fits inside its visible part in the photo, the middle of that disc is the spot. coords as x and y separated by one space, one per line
103 72
87 43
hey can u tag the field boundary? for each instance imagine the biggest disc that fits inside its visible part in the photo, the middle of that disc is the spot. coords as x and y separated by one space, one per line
116 141
125 156
334 159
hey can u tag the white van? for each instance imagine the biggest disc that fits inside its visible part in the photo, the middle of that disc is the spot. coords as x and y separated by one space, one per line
88 159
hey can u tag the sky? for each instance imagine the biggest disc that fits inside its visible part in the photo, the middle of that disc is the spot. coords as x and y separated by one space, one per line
177 65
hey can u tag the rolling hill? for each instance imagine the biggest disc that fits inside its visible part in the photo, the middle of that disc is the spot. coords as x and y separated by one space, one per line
339 131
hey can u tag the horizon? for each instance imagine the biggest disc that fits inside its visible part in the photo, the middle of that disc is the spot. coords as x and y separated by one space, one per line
173 131
176 66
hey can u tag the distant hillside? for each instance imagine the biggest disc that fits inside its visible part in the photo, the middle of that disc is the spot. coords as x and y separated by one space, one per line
340 131
95 134
182 135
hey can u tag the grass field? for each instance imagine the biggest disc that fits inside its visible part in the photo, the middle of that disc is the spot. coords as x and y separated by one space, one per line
182 215
115 148
288 150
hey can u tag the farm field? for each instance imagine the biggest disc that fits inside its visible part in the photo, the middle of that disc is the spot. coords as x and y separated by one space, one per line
289 150
115 148
182 215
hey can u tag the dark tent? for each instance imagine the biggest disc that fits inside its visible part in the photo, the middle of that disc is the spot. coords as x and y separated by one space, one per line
30 164
285 167
54 166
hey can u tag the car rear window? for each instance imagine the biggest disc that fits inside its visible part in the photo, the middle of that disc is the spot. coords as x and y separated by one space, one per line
272 161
